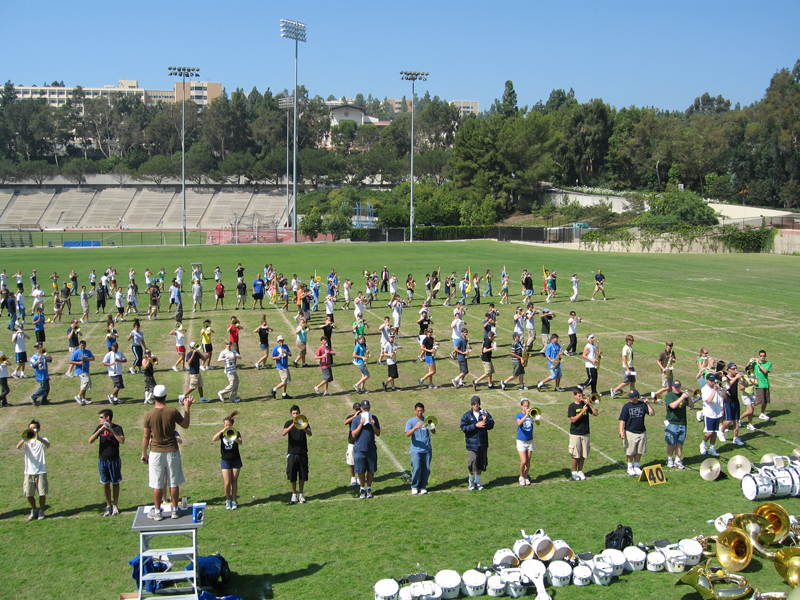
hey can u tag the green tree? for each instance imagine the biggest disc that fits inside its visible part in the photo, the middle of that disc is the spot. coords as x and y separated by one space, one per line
8 171
77 169
343 135
270 168
121 173
367 137
157 169
200 162
436 125
310 224
38 171
336 224
582 152
507 106
235 166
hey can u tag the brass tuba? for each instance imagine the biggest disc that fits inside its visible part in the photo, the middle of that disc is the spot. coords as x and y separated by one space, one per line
732 548
787 564
778 518
703 577
758 530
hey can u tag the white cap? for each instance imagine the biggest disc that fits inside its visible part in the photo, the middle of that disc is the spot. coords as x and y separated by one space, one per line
160 391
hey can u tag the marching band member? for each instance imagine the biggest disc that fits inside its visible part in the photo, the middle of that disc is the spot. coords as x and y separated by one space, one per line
749 399
206 345
229 356
428 348
35 470
590 356
545 318
194 360
762 369
461 352
575 283
359 360
263 339
517 368
365 428
578 413
712 414
388 352
233 333
675 430
301 333
148 365
114 360
138 346
421 450
665 362
476 423
572 324
553 353
81 359
110 436
628 373
530 326
524 440
180 346
296 456
39 362
281 354
349 457
730 404
632 430
599 285
230 460
73 332
489 346
4 389
324 355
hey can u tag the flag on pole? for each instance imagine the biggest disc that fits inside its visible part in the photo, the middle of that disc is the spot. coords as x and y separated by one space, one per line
469 280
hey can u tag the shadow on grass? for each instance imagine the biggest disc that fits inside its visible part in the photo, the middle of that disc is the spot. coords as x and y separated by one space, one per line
261 586
95 509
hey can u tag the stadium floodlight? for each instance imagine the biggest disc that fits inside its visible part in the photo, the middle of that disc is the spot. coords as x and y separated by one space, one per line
412 76
183 73
286 103
294 30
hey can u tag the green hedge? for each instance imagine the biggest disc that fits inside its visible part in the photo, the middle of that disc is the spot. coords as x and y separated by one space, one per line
749 239
455 232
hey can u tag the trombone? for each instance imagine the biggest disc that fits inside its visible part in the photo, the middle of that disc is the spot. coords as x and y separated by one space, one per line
431 423
595 398
300 421
535 415
29 435
154 359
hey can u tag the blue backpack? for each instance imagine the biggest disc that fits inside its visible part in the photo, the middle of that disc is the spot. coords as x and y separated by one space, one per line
212 570
150 566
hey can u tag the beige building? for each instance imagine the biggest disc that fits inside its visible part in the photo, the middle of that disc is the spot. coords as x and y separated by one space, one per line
466 107
202 92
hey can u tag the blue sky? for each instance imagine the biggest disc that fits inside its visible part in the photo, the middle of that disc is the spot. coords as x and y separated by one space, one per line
627 53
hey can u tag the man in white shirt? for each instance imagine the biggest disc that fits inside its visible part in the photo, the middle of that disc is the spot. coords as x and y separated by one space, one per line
114 360
628 372
179 275
712 414
530 326
38 299
590 356
397 314
35 470
456 326
229 357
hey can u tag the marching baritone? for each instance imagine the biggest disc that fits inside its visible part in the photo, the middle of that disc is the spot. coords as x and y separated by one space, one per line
421 449
476 423
578 413
297 455
675 429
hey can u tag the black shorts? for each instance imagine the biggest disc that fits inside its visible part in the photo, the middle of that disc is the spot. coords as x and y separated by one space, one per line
208 348
297 466
117 381
477 461
259 297
462 367
120 310
392 371
40 336
327 375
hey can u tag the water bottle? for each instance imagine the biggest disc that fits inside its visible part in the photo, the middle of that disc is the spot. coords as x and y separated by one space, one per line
184 503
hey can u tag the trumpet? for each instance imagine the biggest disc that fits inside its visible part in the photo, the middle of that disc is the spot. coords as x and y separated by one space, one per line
76 330
235 322
29 435
658 399
698 393
3 360
230 435
154 359
300 421
431 423
535 415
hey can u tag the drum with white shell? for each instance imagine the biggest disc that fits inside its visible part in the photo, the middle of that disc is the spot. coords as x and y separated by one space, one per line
675 558
513 580
450 582
542 545
693 550
602 570
405 593
756 486
655 561
635 558
387 589
783 482
495 586
617 560
425 590
559 573
561 550
473 583
582 575
532 569
505 557
523 549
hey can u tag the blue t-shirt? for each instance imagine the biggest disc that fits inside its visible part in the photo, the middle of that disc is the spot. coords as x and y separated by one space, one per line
40 368
283 362
633 415
38 322
112 337
600 278
552 350
421 438
461 344
258 286
84 366
524 431
360 351
365 442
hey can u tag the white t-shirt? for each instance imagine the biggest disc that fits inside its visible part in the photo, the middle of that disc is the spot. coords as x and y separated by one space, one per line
329 305
180 338
229 356
397 307
19 341
456 326
358 308
118 298
591 353
712 402
628 351
116 367
385 329
575 283
37 295
573 325
35 463
388 349
529 316
519 324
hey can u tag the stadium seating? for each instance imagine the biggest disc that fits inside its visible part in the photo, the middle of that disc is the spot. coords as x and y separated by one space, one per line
196 205
108 206
28 206
67 208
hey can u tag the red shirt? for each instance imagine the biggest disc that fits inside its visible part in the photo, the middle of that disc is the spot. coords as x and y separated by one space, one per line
233 330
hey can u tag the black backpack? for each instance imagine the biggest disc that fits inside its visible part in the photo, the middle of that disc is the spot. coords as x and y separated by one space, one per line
620 538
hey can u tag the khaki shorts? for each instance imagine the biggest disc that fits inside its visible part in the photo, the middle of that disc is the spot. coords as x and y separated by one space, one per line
488 368
525 446
666 379
348 457
301 347
165 466
86 381
195 380
579 446
34 485
286 377
635 443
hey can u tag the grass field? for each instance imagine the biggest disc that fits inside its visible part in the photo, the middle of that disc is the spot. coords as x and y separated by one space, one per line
337 546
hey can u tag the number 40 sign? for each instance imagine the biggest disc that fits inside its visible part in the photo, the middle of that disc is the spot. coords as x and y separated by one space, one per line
653 474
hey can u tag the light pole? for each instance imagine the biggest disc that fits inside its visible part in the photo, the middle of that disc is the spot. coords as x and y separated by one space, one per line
294 30
412 76
183 73
287 104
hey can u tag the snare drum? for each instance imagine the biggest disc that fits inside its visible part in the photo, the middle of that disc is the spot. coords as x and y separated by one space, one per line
602 570
425 590
617 560
634 558
450 582
505 557
561 550
794 472
473 583
533 569
559 573
757 486
675 558
542 545
655 561
405 593
523 549
582 575
783 482
693 550
387 589
495 586
513 580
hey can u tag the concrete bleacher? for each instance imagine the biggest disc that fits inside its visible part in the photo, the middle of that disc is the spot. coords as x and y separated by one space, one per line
224 205
269 205
5 198
147 208
196 206
28 206
107 208
67 208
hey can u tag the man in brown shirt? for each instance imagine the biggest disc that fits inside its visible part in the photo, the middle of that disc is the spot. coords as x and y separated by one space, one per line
164 459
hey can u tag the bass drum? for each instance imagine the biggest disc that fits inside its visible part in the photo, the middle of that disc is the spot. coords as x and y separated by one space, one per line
450 582
783 482
757 487
387 589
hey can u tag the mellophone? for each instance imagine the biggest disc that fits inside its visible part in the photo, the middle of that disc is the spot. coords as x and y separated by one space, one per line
536 560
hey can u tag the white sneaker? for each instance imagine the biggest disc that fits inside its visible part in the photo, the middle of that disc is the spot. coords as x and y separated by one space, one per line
631 472
763 417
258 365
132 371
679 464
221 397
227 504
721 436
204 400
580 474
301 499
423 491
78 399
294 499
712 451
575 476
703 448
613 392
316 390
175 368
455 382
670 463
414 491
353 482
751 427
637 470
738 441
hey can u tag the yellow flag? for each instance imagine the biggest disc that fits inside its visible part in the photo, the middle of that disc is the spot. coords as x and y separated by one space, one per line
469 280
